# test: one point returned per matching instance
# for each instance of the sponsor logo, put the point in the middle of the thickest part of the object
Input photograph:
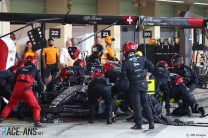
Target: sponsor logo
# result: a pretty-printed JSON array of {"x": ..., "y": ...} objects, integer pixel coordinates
[
  {"x": 19, "y": 131},
  {"x": 91, "y": 19},
  {"x": 151, "y": 21}
]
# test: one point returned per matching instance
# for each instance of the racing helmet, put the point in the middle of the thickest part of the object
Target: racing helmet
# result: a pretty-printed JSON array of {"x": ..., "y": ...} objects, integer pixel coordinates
[
  {"x": 79, "y": 63},
  {"x": 177, "y": 61},
  {"x": 178, "y": 80},
  {"x": 65, "y": 73},
  {"x": 31, "y": 60},
  {"x": 107, "y": 66},
  {"x": 97, "y": 74},
  {"x": 162, "y": 64},
  {"x": 97, "y": 71},
  {"x": 109, "y": 39},
  {"x": 129, "y": 47},
  {"x": 97, "y": 50}
]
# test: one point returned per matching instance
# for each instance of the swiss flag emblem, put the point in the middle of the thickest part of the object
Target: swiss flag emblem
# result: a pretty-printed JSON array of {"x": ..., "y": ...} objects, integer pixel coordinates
[{"x": 130, "y": 20}]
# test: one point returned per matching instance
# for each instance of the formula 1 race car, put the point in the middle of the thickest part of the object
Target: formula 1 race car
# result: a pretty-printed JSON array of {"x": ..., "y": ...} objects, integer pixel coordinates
[{"x": 66, "y": 98}]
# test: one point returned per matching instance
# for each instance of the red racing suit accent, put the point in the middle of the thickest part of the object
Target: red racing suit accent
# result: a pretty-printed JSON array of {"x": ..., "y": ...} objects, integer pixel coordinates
[{"x": 25, "y": 78}]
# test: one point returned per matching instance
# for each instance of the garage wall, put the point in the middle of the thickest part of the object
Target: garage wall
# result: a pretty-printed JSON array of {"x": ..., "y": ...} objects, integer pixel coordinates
[
  {"x": 127, "y": 8},
  {"x": 198, "y": 10},
  {"x": 27, "y": 6},
  {"x": 167, "y": 10},
  {"x": 4, "y": 26},
  {"x": 84, "y": 7}
]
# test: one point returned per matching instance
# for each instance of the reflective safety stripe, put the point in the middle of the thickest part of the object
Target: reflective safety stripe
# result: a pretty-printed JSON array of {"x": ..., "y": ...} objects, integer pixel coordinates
[{"x": 151, "y": 86}]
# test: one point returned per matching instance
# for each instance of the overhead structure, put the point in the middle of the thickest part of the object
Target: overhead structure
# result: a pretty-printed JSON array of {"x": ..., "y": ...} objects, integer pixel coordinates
[{"x": 25, "y": 18}]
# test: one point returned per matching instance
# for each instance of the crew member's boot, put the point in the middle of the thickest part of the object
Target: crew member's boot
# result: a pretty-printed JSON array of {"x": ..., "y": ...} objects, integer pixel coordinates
[
  {"x": 151, "y": 125},
  {"x": 38, "y": 124},
  {"x": 139, "y": 127},
  {"x": 1, "y": 119},
  {"x": 195, "y": 108},
  {"x": 109, "y": 121},
  {"x": 114, "y": 119},
  {"x": 202, "y": 111},
  {"x": 91, "y": 121}
]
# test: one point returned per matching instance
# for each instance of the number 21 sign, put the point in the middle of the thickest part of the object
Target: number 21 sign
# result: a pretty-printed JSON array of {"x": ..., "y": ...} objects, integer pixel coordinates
[{"x": 105, "y": 33}]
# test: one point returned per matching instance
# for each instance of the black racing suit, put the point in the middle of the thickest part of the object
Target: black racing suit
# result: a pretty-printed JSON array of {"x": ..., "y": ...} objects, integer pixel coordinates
[
  {"x": 6, "y": 83},
  {"x": 100, "y": 87},
  {"x": 92, "y": 60},
  {"x": 162, "y": 77},
  {"x": 77, "y": 75},
  {"x": 133, "y": 68}
]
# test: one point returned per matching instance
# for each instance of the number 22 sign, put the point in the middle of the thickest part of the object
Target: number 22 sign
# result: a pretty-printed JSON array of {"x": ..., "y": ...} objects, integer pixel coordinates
[{"x": 55, "y": 33}]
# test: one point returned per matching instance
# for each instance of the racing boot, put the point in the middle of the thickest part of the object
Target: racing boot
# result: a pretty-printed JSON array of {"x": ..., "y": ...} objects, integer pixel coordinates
[
  {"x": 201, "y": 111},
  {"x": 38, "y": 124},
  {"x": 109, "y": 121},
  {"x": 139, "y": 127},
  {"x": 151, "y": 125}
]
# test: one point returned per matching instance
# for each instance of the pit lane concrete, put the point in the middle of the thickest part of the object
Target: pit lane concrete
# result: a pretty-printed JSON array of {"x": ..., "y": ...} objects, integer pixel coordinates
[{"x": 79, "y": 128}]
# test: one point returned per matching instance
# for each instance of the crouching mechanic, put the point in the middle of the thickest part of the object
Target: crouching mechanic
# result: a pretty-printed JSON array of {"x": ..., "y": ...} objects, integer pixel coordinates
[
  {"x": 99, "y": 88},
  {"x": 185, "y": 89},
  {"x": 133, "y": 69},
  {"x": 185, "y": 98},
  {"x": 162, "y": 76},
  {"x": 24, "y": 80}
]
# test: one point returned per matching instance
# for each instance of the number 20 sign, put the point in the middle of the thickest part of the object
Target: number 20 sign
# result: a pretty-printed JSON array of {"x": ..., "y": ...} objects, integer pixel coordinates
[
  {"x": 55, "y": 33},
  {"x": 147, "y": 34}
]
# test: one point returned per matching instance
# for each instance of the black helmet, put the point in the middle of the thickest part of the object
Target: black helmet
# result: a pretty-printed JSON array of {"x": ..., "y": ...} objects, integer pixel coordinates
[{"x": 177, "y": 60}]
